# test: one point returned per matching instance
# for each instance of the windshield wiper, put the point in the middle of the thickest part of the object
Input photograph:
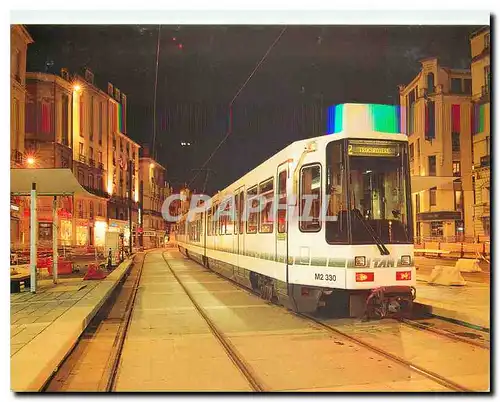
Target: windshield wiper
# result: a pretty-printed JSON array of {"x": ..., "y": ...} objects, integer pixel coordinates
[{"x": 380, "y": 245}]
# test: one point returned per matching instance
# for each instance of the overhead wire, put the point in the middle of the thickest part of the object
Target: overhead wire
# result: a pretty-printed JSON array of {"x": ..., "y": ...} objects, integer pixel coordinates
[{"x": 229, "y": 131}]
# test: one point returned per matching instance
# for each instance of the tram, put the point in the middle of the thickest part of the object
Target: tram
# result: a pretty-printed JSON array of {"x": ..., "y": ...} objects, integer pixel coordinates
[{"x": 334, "y": 228}]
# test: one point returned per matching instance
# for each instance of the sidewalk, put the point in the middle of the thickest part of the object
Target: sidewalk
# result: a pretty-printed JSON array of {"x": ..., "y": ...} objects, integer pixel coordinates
[
  {"x": 46, "y": 325},
  {"x": 469, "y": 303}
]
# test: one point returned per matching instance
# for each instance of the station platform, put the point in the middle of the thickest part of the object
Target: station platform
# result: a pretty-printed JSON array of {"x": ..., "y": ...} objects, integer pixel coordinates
[
  {"x": 45, "y": 325},
  {"x": 469, "y": 304}
]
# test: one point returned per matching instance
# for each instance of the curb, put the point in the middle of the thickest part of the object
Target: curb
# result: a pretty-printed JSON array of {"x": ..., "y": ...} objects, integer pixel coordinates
[
  {"x": 33, "y": 366},
  {"x": 455, "y": 316}
]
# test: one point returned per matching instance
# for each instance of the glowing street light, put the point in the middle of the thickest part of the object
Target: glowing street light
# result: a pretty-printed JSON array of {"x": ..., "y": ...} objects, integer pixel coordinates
[
  {"x": 151, "y": 165},
  {"x": 30, "y": 161},
  {"x": 76, "y": 87}
]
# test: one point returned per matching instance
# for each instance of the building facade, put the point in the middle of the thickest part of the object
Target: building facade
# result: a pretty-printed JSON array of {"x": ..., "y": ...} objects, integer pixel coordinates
[
  {"x": 71, "y": 123},
  {"x": 154, "y": 191},
  {"x": 481, "y": 134},
  {"x": 19, "y": 41},
  {"x": 437, "y": 118}
]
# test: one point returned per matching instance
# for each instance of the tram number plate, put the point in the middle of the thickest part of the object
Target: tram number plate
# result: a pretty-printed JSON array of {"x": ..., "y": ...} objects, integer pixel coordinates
[{"x": 325, "y": 277}]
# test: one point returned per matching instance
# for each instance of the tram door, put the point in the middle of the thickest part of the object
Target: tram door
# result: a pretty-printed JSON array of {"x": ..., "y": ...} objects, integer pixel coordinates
[{"x": 281, "y": 216}]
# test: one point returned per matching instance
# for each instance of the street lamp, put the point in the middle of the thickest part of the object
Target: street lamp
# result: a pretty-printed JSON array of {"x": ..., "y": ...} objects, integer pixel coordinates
[
  {"x": 30, "y": 161},
  {"x": 151, "y": 165}
]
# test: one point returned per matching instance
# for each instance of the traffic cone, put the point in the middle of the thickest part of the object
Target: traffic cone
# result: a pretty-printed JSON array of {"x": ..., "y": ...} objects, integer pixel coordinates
[{"x": 94, "y": 272}]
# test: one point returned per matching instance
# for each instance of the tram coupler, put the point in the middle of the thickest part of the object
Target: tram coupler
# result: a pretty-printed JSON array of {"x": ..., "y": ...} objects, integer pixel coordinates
[{"x": 389, "y": 301}]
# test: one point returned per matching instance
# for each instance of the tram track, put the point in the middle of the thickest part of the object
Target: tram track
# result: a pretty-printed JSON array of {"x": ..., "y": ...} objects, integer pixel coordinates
[
  {"x": 230, "y": 350},
  {"x": 443, "y": 333},
  {"x": 443, "y": 381},
  {"x": 447, "y": 383},
  {"x": 105, "y": 320}
]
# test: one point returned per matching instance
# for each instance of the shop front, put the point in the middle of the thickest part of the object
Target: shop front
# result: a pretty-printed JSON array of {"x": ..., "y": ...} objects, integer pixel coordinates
[
  {"x": 119, "y": 226},
  {"x": 100, "y": 229}
]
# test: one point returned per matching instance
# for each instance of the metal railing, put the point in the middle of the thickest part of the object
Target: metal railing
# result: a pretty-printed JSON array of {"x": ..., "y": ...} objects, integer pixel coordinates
[
  {"x": 97, "y": 191},
  {"x": 91, "y": 162},
  {"x": 81, "y": 158},
  {"x": 100, "y": 165}
]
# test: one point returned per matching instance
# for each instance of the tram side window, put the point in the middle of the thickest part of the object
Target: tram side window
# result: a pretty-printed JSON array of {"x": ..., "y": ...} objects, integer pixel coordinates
[
  {"x": 241, "y": 221},
  {"x": 336, "y": 190},
  {"x": 310, "y": 198},
  {"x": 209, "y": 222},
  {"x": 237, "y": 212},
  {"x": 266, "y": 191},
  {"x": 229, "y": 215},
  {"x": 252, "y": 208},
  {"x": 282, "y": 201},
  {"x": 215, "y": 219}
]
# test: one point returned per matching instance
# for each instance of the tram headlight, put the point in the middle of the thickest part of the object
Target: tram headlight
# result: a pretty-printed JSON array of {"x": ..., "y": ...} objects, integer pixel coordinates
[
  {"x": 405, "y": 260},
  {"x": 359, "y": 261}
]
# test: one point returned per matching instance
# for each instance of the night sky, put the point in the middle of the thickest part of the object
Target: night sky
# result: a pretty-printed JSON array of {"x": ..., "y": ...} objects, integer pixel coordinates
[{"x": 308, "y": 69}]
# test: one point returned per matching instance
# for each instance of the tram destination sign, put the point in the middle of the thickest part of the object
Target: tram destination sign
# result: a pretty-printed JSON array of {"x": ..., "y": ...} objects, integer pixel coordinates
[{"x": 372, "y": 148}]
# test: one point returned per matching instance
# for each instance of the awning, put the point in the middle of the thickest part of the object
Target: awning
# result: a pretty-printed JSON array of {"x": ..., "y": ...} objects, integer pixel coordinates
[
  {"x": 49, "y": 182},
  {"x": 422, "y": 183}
]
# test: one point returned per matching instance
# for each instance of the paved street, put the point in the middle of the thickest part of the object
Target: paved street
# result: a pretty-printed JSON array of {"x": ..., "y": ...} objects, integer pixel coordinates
[{"x": 169, "y": 346}]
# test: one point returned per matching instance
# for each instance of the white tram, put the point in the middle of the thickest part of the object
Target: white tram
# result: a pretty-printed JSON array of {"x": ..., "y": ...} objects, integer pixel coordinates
[{"x": 355, "y": 246}]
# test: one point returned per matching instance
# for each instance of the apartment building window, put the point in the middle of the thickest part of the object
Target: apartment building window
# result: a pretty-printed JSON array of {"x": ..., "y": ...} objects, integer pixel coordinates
[
  {"x": 417, "y": 203},
  {"x": 65, "y": 119},
  {"x": 455, "y": 118},
  {"x": 17, "y": 65},
  {"x": 91, "y": 180},
  {"x": 468, "y": 86},
  {"x": 437, "y": 229},
  {"x": 418, "y": 147},
  {"x": 487, "y": 76},
  {"x": 432, "y": 196},
  {"x": 100, "y": 157},
  {"x": 16, "y": 117},
  {"x": 456, "y": 85},
  {"x": 430, "y": 83},
  {"x": 459, "y": 200},
  {"x": 81, "y": 177},
  {"x": 430, "y": 120},
  {"x": 80, "y": 148},
  {"x": 411, "y": 152},
  {"x": 411, "y": 111},
  {"x": 432, "y": 165},
  {"x": 455, "y": 142},
  {"x": 100, "y": 123},
  {"x": 91, "y": 153},
  {"x": 474, "y": 190},
  {"x": 82, "y": 116},
  {"x": 91, "y": 118},
  {"x": 456, "y": 168},
  {"x": 91, "y": 209}
]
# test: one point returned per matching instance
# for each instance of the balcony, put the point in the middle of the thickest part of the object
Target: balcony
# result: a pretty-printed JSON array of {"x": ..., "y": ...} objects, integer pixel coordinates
[
  {"x": 81, "y": 158},
  {"x": 92, "y": 162},
  {"x": 97, "y": 191},
  {"x": 151, "y": 212}
]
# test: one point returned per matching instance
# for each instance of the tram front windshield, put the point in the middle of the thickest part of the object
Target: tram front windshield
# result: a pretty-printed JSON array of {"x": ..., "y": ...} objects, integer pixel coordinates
[{"x": 368, "y": 188}]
